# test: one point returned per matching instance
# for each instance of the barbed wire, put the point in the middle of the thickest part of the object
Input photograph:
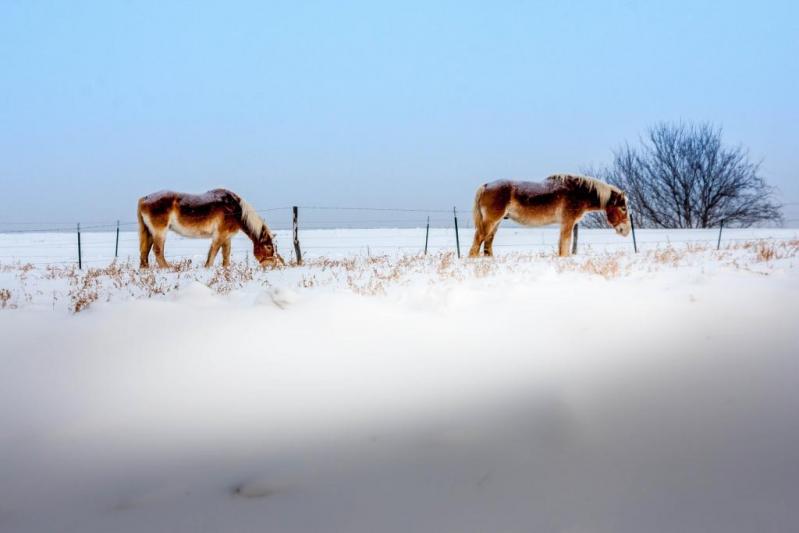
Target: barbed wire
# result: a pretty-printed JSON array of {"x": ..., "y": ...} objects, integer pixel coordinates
[
  {"x": 436, "y": 216},
  {"x": 379, "y": 209}
]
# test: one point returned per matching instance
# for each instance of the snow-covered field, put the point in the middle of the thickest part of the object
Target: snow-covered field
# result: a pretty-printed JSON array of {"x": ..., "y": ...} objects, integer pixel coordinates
[{"x": 376, "y": 390}]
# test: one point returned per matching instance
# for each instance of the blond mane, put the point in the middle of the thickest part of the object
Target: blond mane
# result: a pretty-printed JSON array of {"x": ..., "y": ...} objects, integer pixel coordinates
[
  {"x": 252, "y": 221},
  {"x": 603, "y": 190}
]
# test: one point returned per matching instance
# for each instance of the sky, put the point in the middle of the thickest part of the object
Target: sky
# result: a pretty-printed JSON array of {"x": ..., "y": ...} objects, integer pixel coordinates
[{"x": 409, "y": 104}]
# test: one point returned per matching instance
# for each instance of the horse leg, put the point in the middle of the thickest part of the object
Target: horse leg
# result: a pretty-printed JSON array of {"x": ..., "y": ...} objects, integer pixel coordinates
[
  {"x": 226, "y": 253},
  {"x": 565, "y": 244},
  {"x": 474, "y": 251},
  {"x": 484, "y": 231},
  {"x": 158, "y": 249},
  {"x": 145, "y": 245},
  {"x": 488, "y": 246},
  {"x": 212, "y": 251}
]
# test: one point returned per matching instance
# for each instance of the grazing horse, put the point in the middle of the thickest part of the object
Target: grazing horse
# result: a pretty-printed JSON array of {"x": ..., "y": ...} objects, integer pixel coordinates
[
  {"x": 562, "y": 198},
  {"x": 216, "y": 214}
]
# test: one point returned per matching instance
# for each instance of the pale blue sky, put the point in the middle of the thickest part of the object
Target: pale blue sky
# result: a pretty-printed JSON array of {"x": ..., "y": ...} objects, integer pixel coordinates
[{"x": 404, "y": 105}]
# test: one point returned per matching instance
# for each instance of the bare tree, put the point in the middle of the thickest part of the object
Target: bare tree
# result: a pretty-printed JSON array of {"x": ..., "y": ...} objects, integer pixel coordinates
[{"x": 682, "y": 176}]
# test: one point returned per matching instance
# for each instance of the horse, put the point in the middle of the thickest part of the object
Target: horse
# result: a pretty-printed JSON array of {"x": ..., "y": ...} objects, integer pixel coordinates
[
  {"x": 218, "y": 214},
  {"x": 560, "y": 198}
]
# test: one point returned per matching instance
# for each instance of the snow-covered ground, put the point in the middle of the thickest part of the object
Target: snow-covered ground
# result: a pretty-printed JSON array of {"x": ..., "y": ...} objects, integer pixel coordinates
[{"x": 608, "y": 392}]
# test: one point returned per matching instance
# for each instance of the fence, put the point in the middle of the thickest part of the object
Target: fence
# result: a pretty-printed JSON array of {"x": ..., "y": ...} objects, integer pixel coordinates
[{"x": 313, "y": 231}]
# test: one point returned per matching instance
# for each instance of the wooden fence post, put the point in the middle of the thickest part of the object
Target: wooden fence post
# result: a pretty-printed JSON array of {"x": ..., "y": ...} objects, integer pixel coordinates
[
  {"x": 632, "y": 227},
  {"x": 295, "y": 232},
  {"x": 574, "y": 238},
  {"x": 80, "y": 259},
  {"x": 721, "y": 227},
  {"x": 457, "y": 237},
  {"x": 426, "y": 235},
  {"x": 116, "y": 246}
]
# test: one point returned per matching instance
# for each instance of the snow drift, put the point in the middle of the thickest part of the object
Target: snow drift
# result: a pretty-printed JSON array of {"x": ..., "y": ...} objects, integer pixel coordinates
[{"x": 525, "y": 398}]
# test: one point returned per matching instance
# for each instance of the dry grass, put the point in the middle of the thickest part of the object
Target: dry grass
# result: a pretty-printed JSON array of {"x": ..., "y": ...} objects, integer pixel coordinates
[
  {"x": 5, "y": 298},
  {"x": 760, "y": 252},
  {"x": 227, "y": 279},
  {"x": 606, "y": 267},
  {"x": 765, "y": 252},
  {"x": 372, "y": 275}
]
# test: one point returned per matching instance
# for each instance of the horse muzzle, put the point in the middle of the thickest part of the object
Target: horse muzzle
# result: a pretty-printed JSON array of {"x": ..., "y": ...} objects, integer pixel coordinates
[
  {"x": 275, "y": 260},
  {"x": 623, "y": 229}
]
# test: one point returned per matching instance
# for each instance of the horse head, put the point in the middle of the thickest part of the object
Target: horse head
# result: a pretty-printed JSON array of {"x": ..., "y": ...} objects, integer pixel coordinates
[
  {"x": 265, "y": 250},
  {"x": 617, "y": 213}
]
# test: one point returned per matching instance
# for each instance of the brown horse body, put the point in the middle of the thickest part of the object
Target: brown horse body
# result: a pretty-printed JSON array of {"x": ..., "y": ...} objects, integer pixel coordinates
[
  {"x": 561, "y": 198},
  {"x": 218, "y": 214}
]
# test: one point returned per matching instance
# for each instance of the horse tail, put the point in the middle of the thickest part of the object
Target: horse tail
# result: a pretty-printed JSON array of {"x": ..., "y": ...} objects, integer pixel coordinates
[
  {"x": 143, "y": 231},
  {"x": 145, "y": 236},
  {"x": 477, "y": 212}
]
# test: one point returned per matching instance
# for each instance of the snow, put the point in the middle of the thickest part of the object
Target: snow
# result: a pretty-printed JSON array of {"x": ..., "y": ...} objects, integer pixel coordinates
[{"x": 609, "y": 392}]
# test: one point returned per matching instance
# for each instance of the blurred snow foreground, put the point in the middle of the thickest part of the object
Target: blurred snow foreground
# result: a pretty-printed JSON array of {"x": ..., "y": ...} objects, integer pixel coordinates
[{"x": 601, "y": 393}]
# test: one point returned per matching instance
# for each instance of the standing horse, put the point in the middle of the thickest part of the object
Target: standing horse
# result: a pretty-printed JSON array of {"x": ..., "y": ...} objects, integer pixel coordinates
[
  {"x": 562, "y": 198},
  {"x": 216, "y": 214}
]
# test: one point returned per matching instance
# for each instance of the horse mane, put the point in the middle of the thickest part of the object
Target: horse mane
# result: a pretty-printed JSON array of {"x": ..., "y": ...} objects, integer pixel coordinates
[
  {"x": 251, "y": 221},
  {"x": 603, "y": 190}
]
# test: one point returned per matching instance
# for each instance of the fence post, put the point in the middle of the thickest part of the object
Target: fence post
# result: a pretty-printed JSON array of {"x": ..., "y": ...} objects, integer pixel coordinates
[
  {"x": 426, "y": 234},
  {"x": 80, "y": 260},
  {"x": 457, "y": 237},
  {"x": 632, "y": 227},
  {"x": 721, "y": 227},
  {"x": 574, "y": 238},
  {"x": 295, "y": 232},
  {"x": 116, "y": 246}
]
